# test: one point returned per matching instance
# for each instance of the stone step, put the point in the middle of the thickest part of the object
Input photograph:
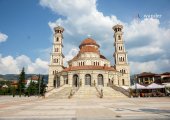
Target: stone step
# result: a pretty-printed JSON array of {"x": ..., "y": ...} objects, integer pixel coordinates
[
  {"x": 62, "y": 94},
  {"x": 111, "y": 93},
  {"x": 86, "y": 92}
]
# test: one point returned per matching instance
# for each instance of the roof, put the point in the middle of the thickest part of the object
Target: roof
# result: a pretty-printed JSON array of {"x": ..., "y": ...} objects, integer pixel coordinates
[
  {"x": 35, "y": 77},
  {"x": 88, "y": 45},
  {"x": 89, "y": 49},
  {"x": 147, "y": 74},
  {"x": 117, "y": 26},
  {"x": 88, "y": 41},
  {"x": 58, "y": 28},
  {"x": 88, "y": 67},
  {"x": 166, "y": 73}
]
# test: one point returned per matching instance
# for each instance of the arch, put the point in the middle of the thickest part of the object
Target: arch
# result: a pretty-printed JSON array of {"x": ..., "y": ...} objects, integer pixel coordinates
[
  {"x": 75, "y": 80},
  {"x": 123, "y": 82},
  {"x": 57, "y": 39},
  {"x": 54, "y": 60},
  {"x": 100, "y": 79},
  {"x": 119, "y": 37},
  {"x": 88, "y": 79},
  {"x": 54, "y": 83}
]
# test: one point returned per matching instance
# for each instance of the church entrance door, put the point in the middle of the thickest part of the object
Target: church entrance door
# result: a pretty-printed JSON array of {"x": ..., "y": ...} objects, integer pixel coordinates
[
  {"x": 88, "y": 79},
  {"x": 100, "y": 79},
  {"x": 75, "y": 80}
]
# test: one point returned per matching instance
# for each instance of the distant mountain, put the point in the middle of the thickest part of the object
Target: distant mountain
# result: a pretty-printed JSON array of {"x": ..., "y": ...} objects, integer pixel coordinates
[{"x": 15, "y": 77}]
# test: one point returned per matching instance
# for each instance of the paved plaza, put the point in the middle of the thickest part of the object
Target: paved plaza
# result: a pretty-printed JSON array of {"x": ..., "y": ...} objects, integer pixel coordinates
[{"x": 83, "y": 109}]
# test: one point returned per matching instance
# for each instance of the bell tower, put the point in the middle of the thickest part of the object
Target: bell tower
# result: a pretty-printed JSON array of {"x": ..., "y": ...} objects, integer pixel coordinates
[
  {"x": 56, "y": 58},
  {"x": 120, "y": 56}
]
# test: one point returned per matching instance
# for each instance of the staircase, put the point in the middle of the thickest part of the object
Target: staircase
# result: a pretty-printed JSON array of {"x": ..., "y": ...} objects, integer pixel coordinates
[
  {"x": 61, "y": 94},
  {"x": 86, "y": 92},
  {"x": 109, "y": 92}
]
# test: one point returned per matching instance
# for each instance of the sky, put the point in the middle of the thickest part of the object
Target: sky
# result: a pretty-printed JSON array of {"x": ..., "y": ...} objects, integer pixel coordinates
[{"x": 26, "y": 32}]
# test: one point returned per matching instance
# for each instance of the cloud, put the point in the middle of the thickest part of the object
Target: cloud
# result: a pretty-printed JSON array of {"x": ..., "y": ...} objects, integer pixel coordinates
[
  {"x": 9, "y": 65},
  {"x": 70, "y": 55},
  {"x": 157, "y": 66},
  {"x": 3, "y": 37},
  {"x": 144, "y": 39}
]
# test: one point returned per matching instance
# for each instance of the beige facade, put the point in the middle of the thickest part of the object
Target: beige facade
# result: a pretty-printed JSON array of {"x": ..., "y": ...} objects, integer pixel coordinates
[{"x": 89, "y": 67}]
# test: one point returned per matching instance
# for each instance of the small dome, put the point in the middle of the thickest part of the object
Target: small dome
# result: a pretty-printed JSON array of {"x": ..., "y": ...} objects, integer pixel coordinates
[{"x": 88, "y": 41}]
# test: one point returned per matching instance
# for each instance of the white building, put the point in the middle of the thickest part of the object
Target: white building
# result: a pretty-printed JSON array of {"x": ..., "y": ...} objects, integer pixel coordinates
[{"x": 89, "y": 67}]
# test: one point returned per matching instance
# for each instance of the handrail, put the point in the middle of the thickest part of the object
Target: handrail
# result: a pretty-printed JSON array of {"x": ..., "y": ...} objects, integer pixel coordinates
[
  {"x": 120, "y": 89},
  {"x": 73, "y": 91},
  {"x": 100, "y": 91}
]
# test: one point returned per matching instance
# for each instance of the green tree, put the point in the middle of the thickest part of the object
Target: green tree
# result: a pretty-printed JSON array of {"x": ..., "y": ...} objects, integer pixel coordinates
[
  {"x": 42, "y": 86},
  {"x": 21, "y": 82},
  {"x": 38, "y": 84},
  {"x": 32, "y": 88},
  {"x": 13, "y": 91}
]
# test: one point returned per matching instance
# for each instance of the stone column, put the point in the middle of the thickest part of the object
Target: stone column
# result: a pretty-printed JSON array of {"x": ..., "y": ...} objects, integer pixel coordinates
[
  {"x": 70, "y": 79},
  {"x": 61, "y": 80},
  {"x": 81, "y": 78},
  {"x": 105, "y": 75},
  {"x": 94, "y": 78}
]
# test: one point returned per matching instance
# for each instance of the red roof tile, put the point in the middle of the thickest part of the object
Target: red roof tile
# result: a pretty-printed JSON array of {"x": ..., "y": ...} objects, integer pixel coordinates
[
  {"x": 88, "y": 41},
  {"x": 89, "y": 49}
]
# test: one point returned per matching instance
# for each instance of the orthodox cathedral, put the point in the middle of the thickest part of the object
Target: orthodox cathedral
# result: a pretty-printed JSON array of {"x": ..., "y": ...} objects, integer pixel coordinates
[{"x": 89, "y": 67}]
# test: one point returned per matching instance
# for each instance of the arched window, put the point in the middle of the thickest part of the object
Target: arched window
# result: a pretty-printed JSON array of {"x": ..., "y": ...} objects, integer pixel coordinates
[
  {"x": 54, "y": 60},
  {"x": 100, "y": 79},
  {"x": 56, "y": 49},
  {"x": 75, "y": 80},
  {"x": 57, "y": 60},
  {"x": 119, "y": 37},
  {"x": 57, "y": 39},
  {"x": 87, "y": 79},
  {"x": 123, "y": 82}
]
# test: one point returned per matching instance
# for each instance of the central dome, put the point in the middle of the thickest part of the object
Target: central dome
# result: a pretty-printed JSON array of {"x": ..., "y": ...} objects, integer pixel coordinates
[{"x": 88, "y": 41}]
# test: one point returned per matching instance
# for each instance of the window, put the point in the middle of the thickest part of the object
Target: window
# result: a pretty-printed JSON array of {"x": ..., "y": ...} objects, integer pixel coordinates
[
  {"x": 56, "y": 49},
  {"x": 119, "y": 38},
  {"x": 54, "y": 60},
  {"x": 57, "y": 39},
  {"x": 123, "y": 82}
]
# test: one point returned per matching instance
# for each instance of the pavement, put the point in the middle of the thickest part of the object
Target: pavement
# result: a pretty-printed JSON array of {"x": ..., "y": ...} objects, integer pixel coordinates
[{"x": 34, "y": 108}]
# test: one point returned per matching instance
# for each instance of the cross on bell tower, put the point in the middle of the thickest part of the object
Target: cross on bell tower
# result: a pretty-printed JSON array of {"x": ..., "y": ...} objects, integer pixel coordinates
[{"x": 120, "y": 56}]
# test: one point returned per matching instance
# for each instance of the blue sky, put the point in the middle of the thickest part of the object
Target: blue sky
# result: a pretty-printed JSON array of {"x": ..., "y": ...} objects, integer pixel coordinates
[{"x": 28, "y": 25}]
